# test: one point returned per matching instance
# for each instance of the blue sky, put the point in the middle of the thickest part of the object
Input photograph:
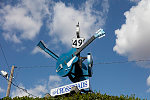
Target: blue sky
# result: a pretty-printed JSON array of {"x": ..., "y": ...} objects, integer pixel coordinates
[{"x": 126, "y": 23}]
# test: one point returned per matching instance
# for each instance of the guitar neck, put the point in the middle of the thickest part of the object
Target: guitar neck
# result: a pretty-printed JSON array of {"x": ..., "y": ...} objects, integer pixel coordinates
[{"x": 85, "y": 45}]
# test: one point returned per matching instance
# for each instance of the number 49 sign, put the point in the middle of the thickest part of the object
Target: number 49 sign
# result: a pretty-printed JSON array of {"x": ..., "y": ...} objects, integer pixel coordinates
[{"x": 77, "y": 42}]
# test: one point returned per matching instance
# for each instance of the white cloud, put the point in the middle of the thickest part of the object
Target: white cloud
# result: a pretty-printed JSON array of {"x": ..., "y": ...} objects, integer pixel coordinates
[
  {"x": 38, "y": 91},
  {"x": 66, "y": 17},
  {"x": 1, "y": 90},
  {"x": 134, "y": 36},
  {"x": 148, "y": 81},
  {"x": 24, "y": 20},
  {"x": 20, "y": 48},
  {"x": 136, "y": 1},
  {"x": 148, "y": 90},
  {"x": 53, "y": 78},
  {"x": 11, "y": 37},
  {"x": 19, "y": 92},
  {"x": 38, "y": 50},
  {"x": 54, "y": 81}
]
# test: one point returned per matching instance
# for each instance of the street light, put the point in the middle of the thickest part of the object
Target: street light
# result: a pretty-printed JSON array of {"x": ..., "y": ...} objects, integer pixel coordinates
[{"x": 4, "y": 73}]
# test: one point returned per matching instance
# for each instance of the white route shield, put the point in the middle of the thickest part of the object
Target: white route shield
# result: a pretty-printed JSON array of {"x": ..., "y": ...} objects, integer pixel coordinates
[{"x": 77, "y": 42}]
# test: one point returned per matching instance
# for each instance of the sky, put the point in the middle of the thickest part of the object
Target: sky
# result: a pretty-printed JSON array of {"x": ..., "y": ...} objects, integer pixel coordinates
[{"x": 23, "y": 23}]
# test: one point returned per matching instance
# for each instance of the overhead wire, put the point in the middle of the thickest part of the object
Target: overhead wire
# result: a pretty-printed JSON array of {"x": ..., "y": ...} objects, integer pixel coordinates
[
  {"x": 120, "y": 62},
  {"x": 16, "y": 72},
  {"x": 112, "y": 62},
  {"x": 4, "y": 57},
  {"x": 14, "y": 80},
  {"x": 35, "y": 67},
  {"x": 25, "y": 90}
]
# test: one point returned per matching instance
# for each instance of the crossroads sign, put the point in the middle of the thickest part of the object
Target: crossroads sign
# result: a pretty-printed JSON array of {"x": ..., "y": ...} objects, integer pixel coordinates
[{"x": 66, "y": 89}]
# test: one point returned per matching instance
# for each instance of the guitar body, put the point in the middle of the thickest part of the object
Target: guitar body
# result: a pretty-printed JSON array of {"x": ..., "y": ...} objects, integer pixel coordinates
[
  {"x": 62, "y": 67},
  {"x": 78, "y": 74}
]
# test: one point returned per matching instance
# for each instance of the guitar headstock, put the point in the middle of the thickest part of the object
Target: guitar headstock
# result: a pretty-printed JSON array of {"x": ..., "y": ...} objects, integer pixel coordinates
[{"x": 99, "y": 33}]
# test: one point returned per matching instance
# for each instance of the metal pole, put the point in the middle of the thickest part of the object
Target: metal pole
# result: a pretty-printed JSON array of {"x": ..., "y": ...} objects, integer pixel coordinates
[
  {"x": 9, "y": 82},
  {"x": 78, "y": 36}
]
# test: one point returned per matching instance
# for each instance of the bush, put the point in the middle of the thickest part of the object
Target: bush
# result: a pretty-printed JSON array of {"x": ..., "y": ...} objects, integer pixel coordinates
[{"x": 79, "y": 96}]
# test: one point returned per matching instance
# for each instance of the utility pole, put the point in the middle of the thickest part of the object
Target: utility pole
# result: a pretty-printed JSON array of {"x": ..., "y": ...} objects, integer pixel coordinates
[{"x": 10, "y": 81}]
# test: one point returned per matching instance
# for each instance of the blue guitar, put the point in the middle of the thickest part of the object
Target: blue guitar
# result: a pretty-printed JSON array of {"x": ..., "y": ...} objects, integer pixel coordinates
[{"x": 66, "y": 61}]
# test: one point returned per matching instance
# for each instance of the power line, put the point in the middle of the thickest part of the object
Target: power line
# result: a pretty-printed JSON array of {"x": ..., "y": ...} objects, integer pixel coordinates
[
  {"x": 120, "y": 62},
  {"x": 112, "y": 62},
  {"x": 19, "y": 87},
  {"x": 4, "y": 57},
  {"x": 35, "y": 67}
]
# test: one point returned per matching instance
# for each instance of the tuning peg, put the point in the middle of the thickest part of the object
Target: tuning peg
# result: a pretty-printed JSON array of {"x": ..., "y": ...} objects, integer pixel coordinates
[{"x": 101, "y": 36}]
